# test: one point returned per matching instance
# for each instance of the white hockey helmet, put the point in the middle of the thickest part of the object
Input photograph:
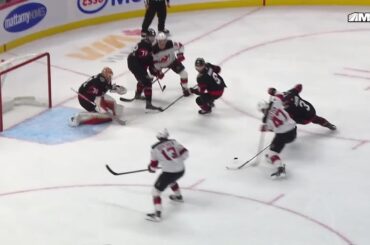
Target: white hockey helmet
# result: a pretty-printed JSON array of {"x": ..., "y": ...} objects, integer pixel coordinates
[
  {"x": 162, "y": 40},
  {"x": 161, "y": 36},
  {"x": 262, "y": 105},
  {"x": 163, "y": 134}
]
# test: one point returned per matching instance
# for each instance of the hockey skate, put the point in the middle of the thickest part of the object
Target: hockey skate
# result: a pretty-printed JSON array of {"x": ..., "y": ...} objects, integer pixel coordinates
[
  {"x": 155, "y": 217},
  {"x": 149, "y": 106},
  {"x": 280, "y": 173},
  {"x": 202, "y": 111},
  {"x": 176, "y": 198},
  {"x": 331, "y": 126},
  {"x": 139, "y": 97}
]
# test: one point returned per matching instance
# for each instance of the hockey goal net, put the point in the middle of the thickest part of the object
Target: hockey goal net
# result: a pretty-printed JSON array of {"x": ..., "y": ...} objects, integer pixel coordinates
[{"x": 25, "y": 88}]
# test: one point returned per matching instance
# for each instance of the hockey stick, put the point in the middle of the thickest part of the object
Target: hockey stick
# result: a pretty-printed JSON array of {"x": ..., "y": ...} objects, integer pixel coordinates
[
  {"x": 119, "y": 121},
  {"x": 242, "y": 165},
  {"x": 260, "y": 145},
  {"x": 177, "y": 99},
  {"x": 154, "y": 81},
  {"x": 157, "y": 80},
  {"x": 122, "y": 173}
]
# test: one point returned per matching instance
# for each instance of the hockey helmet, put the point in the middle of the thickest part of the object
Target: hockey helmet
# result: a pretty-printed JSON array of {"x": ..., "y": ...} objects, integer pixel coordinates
[
  {"x": 163, "y": 134},
  {"x": 200, "y": 64},
  {"x": 107, "y": 74},
  {"x": 162, "y": 40},
  {"x": 262, "y": 105},
  {"x": 150, "y": 35}
]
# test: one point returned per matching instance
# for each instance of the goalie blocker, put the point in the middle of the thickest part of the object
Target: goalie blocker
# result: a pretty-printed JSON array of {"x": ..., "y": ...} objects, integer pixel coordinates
[{"x": 100, "y": 107}]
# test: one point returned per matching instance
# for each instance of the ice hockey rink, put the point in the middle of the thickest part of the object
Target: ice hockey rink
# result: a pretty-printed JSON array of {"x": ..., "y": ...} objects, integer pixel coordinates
[{"x": 58, "y": 192}]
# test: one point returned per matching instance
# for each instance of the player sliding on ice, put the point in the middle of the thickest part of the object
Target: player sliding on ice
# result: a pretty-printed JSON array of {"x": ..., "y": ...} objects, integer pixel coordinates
[{"x": 300, "y": 110}]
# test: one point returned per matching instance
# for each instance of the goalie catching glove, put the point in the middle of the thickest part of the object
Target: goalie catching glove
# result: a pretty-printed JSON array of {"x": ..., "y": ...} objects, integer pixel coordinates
[{"x": 118, "y": 89}]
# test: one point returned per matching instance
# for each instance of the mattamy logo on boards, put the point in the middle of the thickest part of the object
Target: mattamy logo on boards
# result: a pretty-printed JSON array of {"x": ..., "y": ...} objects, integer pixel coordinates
[
  {"x": 24, "y": 17},
  {"x": 359, "y": 17}
]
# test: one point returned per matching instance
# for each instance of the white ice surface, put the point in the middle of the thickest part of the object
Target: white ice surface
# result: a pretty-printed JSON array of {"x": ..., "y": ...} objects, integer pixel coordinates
[{"x": 63, "y": 195}]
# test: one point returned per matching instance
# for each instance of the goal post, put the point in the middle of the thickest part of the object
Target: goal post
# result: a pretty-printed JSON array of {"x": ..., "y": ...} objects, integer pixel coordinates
[{"x": 25, "y": 82}]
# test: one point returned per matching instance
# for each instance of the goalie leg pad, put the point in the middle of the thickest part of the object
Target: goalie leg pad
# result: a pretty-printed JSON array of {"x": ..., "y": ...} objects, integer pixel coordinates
[{"x": 93, "y": 118}]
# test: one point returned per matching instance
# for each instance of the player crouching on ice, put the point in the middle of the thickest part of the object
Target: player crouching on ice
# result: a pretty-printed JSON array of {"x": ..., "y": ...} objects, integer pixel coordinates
[
  {"x": 170, "y": 155},
  {"x": 277, "y": 120},
  {"x": 100, "y": 107},
  {"x": 210, "y": 85},
  {"x": 164, "y": 57}
]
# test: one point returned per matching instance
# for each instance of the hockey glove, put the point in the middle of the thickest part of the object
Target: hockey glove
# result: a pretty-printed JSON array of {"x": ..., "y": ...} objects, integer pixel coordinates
[
  {"x": 195, "y": 91},
  {"x": 160, "y": 74},
  {"x": 180, "y": 57},
  {"x": 186, "y": 92},
  {"x": 298, "y": 88},
  {"x": 118, "y": 89},
  {"x": 271, "y": 91},
  {"x": 151, "y": 169},
  {"x": 264, "y": 128}
]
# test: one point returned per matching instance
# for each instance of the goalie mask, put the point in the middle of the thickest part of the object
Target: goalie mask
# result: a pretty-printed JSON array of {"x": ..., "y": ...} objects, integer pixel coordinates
[
  {"x": 163, "y": 134},
  {"x": 107, "y": 74}
]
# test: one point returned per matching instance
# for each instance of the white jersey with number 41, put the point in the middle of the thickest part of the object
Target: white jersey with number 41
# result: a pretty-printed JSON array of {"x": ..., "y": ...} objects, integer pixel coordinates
[{"x": 278, "y": 120}]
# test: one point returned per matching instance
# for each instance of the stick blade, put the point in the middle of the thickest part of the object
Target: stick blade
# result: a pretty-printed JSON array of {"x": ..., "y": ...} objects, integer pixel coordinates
[
  {"x": 232, "y": 167},
  {"x": 126, "y": 99},
  {"x": 110, "y": 170}
]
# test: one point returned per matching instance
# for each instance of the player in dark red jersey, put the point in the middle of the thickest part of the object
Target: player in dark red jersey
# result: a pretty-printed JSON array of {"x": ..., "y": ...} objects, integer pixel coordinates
[
  {"x": 170, "y": 54},
  {"x": 210, "y": 85},
  {"x": 301, "y": 111},
  {"x": 100, "y": 107},
  {"x": 138, "y": 62}
]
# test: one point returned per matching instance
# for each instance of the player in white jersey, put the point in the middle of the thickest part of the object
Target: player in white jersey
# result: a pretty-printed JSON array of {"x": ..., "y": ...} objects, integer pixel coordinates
[
  {"x": 170, "y": 156},
  {"x": 169, "y": 54},
  {"x": 277, "y": 120}
]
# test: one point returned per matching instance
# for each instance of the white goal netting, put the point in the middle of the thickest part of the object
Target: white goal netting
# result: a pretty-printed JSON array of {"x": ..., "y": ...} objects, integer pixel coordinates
[{"x": 25, "y": 88}]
